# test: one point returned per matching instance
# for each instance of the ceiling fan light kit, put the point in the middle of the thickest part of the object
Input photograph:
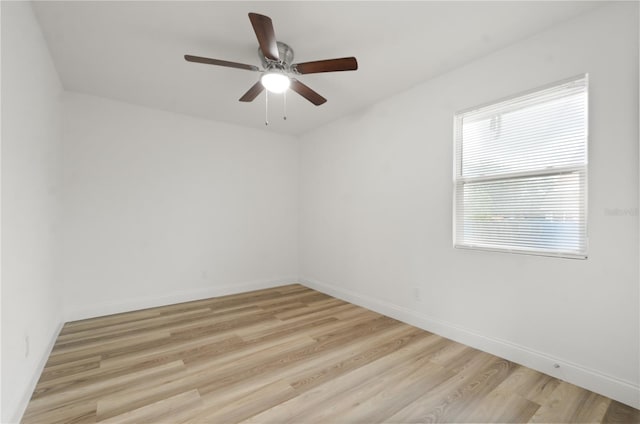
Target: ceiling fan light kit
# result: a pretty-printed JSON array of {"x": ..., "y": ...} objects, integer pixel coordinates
[
  {"x": 275, "y": 82},
  {"x": 279, "y": 71}
]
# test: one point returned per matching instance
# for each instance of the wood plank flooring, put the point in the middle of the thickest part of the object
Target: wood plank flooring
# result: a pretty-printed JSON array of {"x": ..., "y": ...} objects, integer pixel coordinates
[{"x": 290, "y": 355}]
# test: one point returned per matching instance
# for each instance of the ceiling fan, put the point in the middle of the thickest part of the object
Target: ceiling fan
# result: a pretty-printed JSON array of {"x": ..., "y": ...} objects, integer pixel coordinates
[{"x": 279, "y": 71}]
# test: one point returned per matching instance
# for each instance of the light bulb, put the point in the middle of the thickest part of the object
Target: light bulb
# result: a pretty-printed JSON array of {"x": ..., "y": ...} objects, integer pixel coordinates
[{"x": 275, "y": 82}]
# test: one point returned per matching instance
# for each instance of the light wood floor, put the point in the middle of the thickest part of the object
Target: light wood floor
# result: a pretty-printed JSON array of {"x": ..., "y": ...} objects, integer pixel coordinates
[{"x": 290, "y": 354}]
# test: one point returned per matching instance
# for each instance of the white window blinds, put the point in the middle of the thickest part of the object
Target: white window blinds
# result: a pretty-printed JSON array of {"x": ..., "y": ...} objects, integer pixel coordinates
[{"x": 521, "y": 171}]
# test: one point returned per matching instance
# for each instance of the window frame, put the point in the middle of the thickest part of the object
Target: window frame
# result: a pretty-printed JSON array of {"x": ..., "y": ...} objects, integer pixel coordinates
[{"x": 459, "y": 180}]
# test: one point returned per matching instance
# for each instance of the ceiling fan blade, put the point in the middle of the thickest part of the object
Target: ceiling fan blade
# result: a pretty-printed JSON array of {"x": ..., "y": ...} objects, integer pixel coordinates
[
  {"x": 253, "y": 92},
  {"x": 263, "y": 27},
  {"x": 329, "y": 65},
  {"x": 306, "y": 92},
  {"x": 218, "y": 62}
]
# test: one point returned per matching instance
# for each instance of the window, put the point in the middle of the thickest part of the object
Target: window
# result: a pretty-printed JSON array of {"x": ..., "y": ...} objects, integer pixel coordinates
[{"x": 521, "y": 173}]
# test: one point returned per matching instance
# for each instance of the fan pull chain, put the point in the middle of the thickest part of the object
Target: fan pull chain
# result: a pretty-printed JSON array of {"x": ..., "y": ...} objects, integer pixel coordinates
[
  {"x": 284, "y": 106},
  {"x": 266, "y": 107}
]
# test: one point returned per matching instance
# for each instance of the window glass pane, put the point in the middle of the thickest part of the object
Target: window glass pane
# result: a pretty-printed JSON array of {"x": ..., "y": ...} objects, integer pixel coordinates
[
  {"x": 543, "y": 213},
  {"x": 536, "y": 136}
]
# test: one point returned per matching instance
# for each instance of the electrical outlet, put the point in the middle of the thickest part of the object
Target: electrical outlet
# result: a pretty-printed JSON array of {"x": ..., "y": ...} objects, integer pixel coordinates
[
  {"x": 26, "y": 346},
  {"x": 417, "y": 295}
]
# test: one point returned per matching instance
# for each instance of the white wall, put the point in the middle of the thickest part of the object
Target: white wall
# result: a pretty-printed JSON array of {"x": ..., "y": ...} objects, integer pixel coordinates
[
  {"x": 31, "y": 145},
  {"x": 376, "y": 213},
  {"x": 161, "y": 208}
]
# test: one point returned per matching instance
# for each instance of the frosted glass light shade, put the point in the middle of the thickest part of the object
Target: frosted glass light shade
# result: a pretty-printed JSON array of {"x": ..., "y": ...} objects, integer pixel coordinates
[{"x": 275, "y": 82}]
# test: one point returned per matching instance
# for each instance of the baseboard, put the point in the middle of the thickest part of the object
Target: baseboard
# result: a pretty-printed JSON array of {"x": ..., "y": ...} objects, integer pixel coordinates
[
  {"x": 127, "y": 305},
  {"x": 606, "y": 385},
  {"x": 26, "y": 396}
]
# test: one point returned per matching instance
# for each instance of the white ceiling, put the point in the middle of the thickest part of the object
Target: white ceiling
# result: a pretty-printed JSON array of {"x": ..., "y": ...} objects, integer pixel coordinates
[{"x": 133, "y": 51}]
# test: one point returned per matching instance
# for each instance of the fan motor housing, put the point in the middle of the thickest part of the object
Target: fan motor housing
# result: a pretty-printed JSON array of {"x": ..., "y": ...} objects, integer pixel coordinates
[{"x": 286, "y": 58}]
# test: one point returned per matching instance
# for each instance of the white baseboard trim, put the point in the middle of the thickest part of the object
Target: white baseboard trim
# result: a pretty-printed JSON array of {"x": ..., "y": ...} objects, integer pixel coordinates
[
  {"x": 606, "y": 385},
  {"x": 26, "y": 396},
  {"x": 127, "y": 305}
]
